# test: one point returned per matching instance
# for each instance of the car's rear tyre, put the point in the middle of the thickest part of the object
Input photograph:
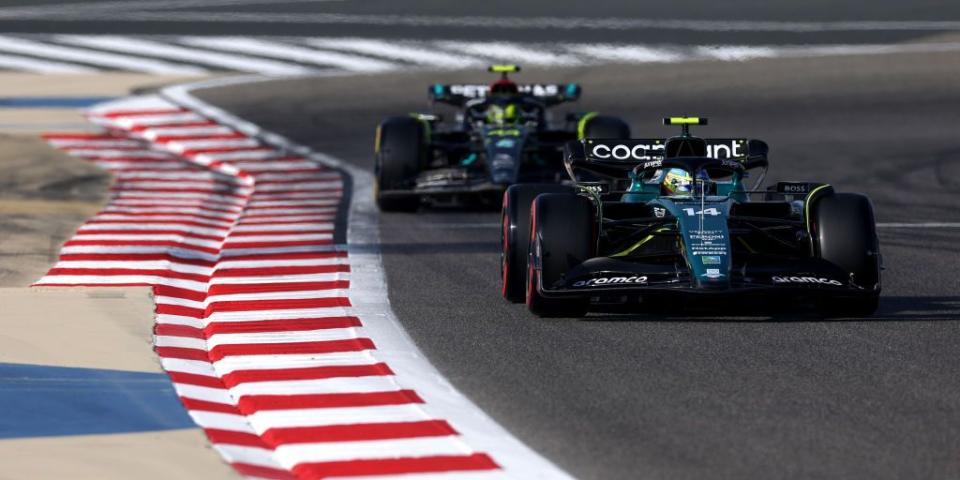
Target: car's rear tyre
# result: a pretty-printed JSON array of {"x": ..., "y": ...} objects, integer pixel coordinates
[
  {"x": 562, "y": 236},
  {"x": 515, "y": 235},
  {"x": 844, "y": 233},
  {"x": 603, "y": 126},
  {"x": 400, "y": 154}
]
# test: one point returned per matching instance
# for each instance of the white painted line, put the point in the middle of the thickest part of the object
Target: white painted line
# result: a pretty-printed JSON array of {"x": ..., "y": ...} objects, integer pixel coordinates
[
  {"x": 628, "y": 53},
  {"x": 159, "y": 49},
  {"x": 919, "y": 225},
  {"x": 15, "y": 62},
  {"x": 504, "y": 22},
  {"x": 112, "y": 60},
  {"x": 368, "y": 384},
  {"x": 266, "y": 48},
  {"x": 397, "y": 50},
  {"x": 316, "y": 417},
  {"x": 735, "y": 52},
  {"x": 222, "y": 421},
  {"x": 121, "y": 279},
  {"x": 373, "y": 449},
  {"x": 236, "y": 363},
  {"x": 511, "y": 52}
]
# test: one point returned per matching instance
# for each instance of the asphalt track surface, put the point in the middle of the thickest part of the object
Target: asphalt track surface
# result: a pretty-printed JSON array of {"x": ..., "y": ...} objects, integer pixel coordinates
[
  {"x": 652, "y": 396},
  {"x": 505, "y": 20}
]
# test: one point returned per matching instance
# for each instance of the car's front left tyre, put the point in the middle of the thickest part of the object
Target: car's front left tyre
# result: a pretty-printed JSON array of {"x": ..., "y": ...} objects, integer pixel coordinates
[{"x": 845, "y": 234}]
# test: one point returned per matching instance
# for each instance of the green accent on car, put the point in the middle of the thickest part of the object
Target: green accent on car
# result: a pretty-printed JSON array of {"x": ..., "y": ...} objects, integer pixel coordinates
[
  {"x": 582, "y": 124},
  {"x": 504, "y": 68},
  {"x": 639, "y": 244},
  {"x": 806, "y": 206},
  {"x": 425, "y": 120},
  {"x": 683, "y": 121},
  {"x": 505, "y": 132},
  {"x": 469, "y": 160}
]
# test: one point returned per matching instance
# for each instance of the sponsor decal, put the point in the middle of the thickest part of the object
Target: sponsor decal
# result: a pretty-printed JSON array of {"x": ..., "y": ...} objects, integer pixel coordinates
[
  {"x": 707, "y": 211},
  {"x": 807, "y": 280},
  {"x": 731, "y": 150},
  {"x": 708, "y": 242},
  {"x": 713, "y": 273},
  {"x": 659, "y": 212},
  {"x": 793, "y": 187},
  {"x": 502, "y": 160},
  {"x": 637, "y": 279},
  {"x": 625, "y": 152},
  {"x": 710, "y": 260},
  {"x": 731, "y": 164},
  {"x": 540, "y": 90},
  {"x": 506, "y": 143},
  {"x": 480, "y": 91},
  {"x": 470, "y": 91}
]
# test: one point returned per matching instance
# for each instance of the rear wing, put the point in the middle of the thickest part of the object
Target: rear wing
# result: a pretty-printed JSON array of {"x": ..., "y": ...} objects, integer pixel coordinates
[
  {"x": 614, "y": 157},
  {"x": 548, "y": 93}
]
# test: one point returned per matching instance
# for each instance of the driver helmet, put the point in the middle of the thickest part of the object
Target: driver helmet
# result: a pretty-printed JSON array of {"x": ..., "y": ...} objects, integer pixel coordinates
[{"x": 677, "y": 181}]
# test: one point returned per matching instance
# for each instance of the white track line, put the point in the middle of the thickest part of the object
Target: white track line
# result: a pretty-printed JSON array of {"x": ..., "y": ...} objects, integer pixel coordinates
[
  {"x": 628, "y": 53},
  {"x": 511, "y": 52},
  {"x": 266, "y": 48},
  {"x": 159, "y": 49},
  {"x": 112, "y": 60},
  {"x": 919, "y": 225},
  {"x": 527, "y": 23},
  {"x": 15, "y": 62},
  {"x": 409, "y": 53}
]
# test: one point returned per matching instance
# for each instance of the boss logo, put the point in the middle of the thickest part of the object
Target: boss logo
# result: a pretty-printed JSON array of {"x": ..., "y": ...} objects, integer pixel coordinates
[{"x": 788, "y": 188}]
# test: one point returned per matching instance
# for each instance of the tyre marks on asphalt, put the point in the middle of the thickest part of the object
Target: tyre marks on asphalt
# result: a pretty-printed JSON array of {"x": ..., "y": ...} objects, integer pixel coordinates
[
  {"x": 280, "y": 56},
  {"x": 257, "y": 320}
]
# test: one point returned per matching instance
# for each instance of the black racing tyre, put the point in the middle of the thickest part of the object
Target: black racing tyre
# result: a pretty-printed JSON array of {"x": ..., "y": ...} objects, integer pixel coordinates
[
  {"x": 845, "y": 234},
  {"x": 400, "y": 154},
  {"x": 603, "y": 126},
  {"x": 562, "y": 236},
  {"x": 515, "y": 235}
]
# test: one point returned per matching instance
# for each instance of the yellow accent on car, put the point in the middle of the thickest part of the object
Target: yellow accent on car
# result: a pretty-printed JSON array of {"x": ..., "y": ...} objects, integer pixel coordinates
[
  {"x": 684, "y": 120},
  {"x": 582, "y": 125},
  {"x": 504, "y": 68},
  {"x": 806, "y": 205},
  {"x": 639, "y": 244},
  {"x": 376, "y": 141}
]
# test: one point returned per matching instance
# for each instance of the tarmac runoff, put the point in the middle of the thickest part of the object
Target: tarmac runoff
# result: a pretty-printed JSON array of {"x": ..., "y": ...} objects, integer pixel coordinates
[{"x": 81, "y": 391}]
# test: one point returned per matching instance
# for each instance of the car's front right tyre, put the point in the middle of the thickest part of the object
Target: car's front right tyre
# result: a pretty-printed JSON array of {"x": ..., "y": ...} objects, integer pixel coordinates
[
  {"x": 562, "y": 235},
  {"x": 400, "y": 151}
]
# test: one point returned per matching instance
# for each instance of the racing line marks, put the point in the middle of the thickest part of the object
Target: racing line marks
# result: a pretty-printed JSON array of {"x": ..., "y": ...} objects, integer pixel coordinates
[
  {"x": 278, "y": 56},
  {"x": 269, "y": 327}
]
